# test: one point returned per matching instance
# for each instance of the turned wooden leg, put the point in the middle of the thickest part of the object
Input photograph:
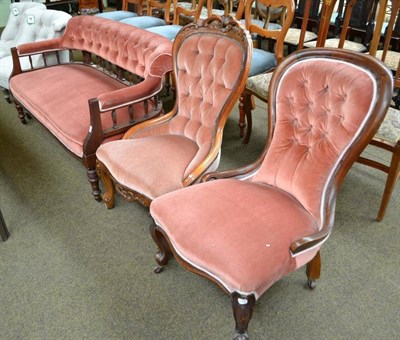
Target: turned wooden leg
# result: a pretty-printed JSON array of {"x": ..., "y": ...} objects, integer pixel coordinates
[
  {"x": 21, "y": 113},
  {"x": 109, "y": 187},
  {"x": 242, "y": 115},
  {"x": 89, "y": 162},
  {"x": 246, "y": 104},
  {"x": 242, "y": 311},
  {"x": 4, "y": 233},
  {"x": 313, "y": 270},
  {"x": 393, "y": 175},
  {"x": 164, "y": 250}
]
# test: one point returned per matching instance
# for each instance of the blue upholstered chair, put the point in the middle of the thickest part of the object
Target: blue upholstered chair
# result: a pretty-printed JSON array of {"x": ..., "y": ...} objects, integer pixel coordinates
[
  {"x": 265, "y": 59},
  {"x": 124, "y": 13},
  {"x": 181, "y": 10}
]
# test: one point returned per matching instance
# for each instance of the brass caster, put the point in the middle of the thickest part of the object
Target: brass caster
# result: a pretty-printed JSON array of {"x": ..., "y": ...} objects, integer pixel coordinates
[
  {"x": 158, "y": 269},
  {"x": 311, "y": 284},
  {"x": 241, "y": 336}
]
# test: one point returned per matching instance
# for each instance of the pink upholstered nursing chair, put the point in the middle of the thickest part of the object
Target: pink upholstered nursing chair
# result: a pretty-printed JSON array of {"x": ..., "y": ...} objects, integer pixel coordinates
[
  {"x": 211, "y": 63},
  {"x": 247, "y": 228}
]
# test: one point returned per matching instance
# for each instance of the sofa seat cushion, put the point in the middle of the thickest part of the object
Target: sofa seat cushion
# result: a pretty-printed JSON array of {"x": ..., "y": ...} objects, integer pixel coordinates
[
  {"x": 66, "y": 116},
  {"x": 117, "y": 15},
  {"x": 151, "y": 165},
  {"x": 168, "y": 31},
  {"x": 144, "y": 22},
  {"x": 245, "y": 249}
]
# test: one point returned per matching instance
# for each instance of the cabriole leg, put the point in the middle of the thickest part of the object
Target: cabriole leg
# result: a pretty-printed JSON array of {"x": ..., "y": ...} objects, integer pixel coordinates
[
  {"x": 109, "y": 187},
  {"x": 164, "y": 251},
  {"x": 242, "y": 311},
  {"x": 313, "y": 270}
]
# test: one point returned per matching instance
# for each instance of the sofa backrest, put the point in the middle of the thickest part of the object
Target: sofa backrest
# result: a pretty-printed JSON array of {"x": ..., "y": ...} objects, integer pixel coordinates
[
  {"x": 133, "y": 49},
  {"x": 12, "y": 28}
]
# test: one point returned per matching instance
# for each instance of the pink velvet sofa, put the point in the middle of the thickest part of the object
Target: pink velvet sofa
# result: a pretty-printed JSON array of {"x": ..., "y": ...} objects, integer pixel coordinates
[{"x": 98, "y": 79}]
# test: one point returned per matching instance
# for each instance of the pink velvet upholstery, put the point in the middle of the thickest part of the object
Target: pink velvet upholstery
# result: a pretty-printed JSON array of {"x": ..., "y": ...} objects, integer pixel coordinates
[
  {"x": 318, "y": 110},
  {"x": 68, "y": 122},
  {"x": 247, "y": 228},
  {"x": 234, "y": 232},
  {"x": 205, "y": 86}
]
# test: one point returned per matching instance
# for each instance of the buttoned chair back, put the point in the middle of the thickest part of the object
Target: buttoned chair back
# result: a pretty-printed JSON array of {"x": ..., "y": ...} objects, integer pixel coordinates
[
  {"x": 14, "y": 22},
  {"x": 37, "y": 25}
]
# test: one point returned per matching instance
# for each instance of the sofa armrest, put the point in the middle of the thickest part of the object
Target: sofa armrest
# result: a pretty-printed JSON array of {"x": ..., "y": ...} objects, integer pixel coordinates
[
  {"x": 133, "y": 94},
  {"x": 39, "y": 47}
]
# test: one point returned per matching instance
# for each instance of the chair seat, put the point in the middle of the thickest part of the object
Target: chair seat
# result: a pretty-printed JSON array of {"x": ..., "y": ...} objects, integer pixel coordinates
[
  {"x": 391, "y": 59},
  {"x": 245, "y": 249},
  {"x": 293, "y": 36},
  {"x": 334, "y": 43},
  {"x": 168, "y": 31},
  {"x": 262, "y": 61},
  {"x": 132, "y": 162},
  {"x": 144, "y": 22},
  {"x": 117, "y": 15},
  {"x": 259, "y": 85},
  {"x": 390, "y": 128}
]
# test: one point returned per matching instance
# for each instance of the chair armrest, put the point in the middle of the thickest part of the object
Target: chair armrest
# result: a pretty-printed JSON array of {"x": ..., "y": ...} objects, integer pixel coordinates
[
  {"x": 148, "y": 88},
  {"x": 320, "y": 236},
  {"x": 239, "y": 173},
  {"x": 309, "y": 241},
  {"x": 39, "y": 47}
]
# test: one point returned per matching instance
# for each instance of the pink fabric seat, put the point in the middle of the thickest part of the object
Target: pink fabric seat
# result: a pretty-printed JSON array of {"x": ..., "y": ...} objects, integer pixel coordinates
[
  {"x": 80, "y": 82},
  {"x": 245, "y": 229},
  {"x": 173, "y": 151},
  {"x": 143, "y": 165},
  {"x": 231, "y": 215}
]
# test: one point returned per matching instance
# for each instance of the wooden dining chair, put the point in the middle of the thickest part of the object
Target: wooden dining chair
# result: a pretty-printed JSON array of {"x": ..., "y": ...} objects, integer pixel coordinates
[
  {"x": 387, "y": 139},
  {"x": 258, "y": 85}
]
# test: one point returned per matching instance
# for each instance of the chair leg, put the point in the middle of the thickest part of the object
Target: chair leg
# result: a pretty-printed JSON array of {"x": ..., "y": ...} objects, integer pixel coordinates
[
  {"x": 109, "y": 186},
  {"x": 246, "y": 105},
  {"x": 21, "y": 113},
  {"x": 164, "y": 250},
  {"x": 242, "y": 311},
  {"x": 313, "y": 270},
  {"x": 4, "y": 233},
  {"x": 242, "y": 115},
  {"x": 393, "y": 175}
]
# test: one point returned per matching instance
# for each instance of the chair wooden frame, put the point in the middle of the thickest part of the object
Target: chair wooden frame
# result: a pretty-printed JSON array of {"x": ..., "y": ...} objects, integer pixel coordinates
[
  {"x": 226, "y": 26},
  {"x": 243, "y": 304}
]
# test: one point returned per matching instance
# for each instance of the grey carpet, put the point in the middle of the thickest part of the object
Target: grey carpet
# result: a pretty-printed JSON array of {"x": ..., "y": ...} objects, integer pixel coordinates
[{"x": 74, "y": 270}]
